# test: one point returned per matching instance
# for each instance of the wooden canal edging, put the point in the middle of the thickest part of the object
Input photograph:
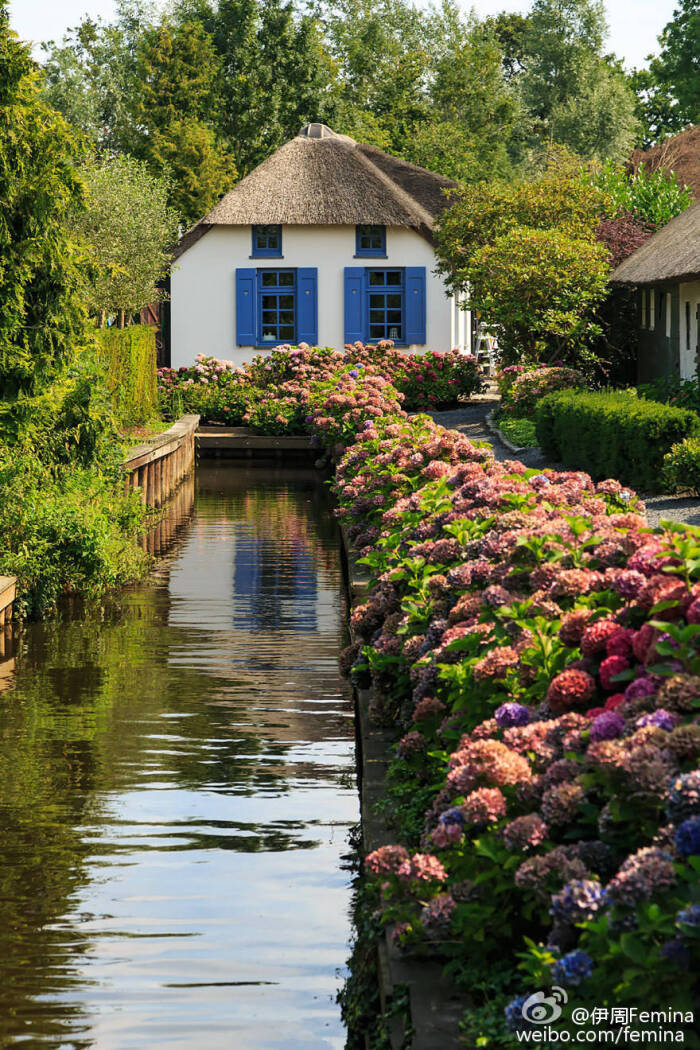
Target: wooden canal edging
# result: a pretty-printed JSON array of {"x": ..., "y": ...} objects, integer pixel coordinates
[
  {"x": 242, "y": 443},
  {"x": 8, "y": 594},
  {"x": 158, "y": 466},
  {"x": 435, "y": 1004}
]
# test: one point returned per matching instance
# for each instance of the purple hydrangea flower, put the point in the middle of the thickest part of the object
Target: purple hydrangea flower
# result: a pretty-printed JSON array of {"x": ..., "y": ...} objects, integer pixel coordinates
[
  {"x": 579, "y": 900},
  {"x": 640, "y": 687},
  {"x": 573, "y": 968},
  {"x": 512, "y": 714},
  {"x": 660, "y": 718},
  {"x": 354, "y": 373},
  {"x": 688, "y": 837},
  {"x": 607, "y": 726}
]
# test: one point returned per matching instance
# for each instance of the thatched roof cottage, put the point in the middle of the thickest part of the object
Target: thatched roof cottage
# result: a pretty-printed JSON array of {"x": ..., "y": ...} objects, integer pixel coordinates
[
  {"x": 328, "y": 241},
  {"x": 666, "y": 271}
]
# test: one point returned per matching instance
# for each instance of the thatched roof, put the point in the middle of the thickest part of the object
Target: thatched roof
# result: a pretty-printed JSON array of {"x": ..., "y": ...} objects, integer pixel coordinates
[
  {"x": 672, "y": 254},
  {"x": 681, "y": 154},
  {"x": 320, "y": 178}
]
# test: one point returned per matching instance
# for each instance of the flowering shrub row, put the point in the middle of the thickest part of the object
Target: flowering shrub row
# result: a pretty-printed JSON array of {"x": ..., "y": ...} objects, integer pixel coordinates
[
  {"x": 222, "y": 393},
  {"x": 536, "y": 646}
]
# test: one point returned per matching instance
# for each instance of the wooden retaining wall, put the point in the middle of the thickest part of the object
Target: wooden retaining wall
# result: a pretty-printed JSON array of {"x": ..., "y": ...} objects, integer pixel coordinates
[
  {"x": 8, "y": 593},
  {"x": 158, "y": 466},
  {"x": 242, "y": 443}
]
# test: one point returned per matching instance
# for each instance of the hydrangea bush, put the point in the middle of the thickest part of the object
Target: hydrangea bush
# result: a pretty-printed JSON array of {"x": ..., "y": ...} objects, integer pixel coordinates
[
  {"x": 222, "y": 393},
  {"x": 535, "y": 646}
]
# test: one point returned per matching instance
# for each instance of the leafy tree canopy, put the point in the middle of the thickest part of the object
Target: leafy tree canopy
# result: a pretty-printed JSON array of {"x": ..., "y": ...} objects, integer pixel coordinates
[
  {"x": 128, "y": 230},
  {"x": 669, "y": 90}
]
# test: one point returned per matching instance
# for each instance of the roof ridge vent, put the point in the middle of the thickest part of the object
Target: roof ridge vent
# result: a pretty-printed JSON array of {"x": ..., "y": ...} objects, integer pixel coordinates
[{"x": 317, "y": 131}]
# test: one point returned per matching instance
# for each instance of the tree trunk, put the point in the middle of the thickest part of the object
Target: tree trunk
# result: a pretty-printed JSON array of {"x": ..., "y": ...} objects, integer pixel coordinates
[{"x": 121, "y": 318}]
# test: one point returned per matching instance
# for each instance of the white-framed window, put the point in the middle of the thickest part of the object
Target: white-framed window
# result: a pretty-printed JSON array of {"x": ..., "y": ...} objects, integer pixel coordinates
[
  {"x": 644, "y": 307},
  {"x": 652, "y": 316},
  {"x": 668, "y": 301}
]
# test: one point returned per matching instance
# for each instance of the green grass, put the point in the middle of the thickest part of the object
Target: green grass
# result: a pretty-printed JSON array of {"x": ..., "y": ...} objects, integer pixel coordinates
[{"x": 520, "y": 432}]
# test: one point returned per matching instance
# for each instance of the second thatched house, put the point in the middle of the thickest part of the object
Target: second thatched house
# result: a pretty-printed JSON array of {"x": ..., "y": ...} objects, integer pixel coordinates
[
  {"x": 328, "y": 241},
  {"x": 666, "y": 272}
]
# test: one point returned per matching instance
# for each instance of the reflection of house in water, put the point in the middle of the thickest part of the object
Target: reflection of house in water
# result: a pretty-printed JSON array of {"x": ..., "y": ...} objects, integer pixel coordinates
[{"x": 275, "y": 585}]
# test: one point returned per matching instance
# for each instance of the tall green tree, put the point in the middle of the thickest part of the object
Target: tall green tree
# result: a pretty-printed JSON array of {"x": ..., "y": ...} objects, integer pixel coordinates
[
  {"x": 41, "y": 320},
  {"x": 669, "y": 90},
  {"x": 175, "y": 113},
  {"x": 578, "y": 96},
  {"x": 276, "y": 75}
]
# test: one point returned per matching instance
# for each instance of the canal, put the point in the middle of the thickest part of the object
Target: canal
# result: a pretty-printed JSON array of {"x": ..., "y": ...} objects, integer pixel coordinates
[{"x": 177, "y": 789}]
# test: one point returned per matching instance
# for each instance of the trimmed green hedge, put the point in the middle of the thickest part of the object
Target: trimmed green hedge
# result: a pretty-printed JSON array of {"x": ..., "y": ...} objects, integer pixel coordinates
[
  {"x": 129, "y": 356},
  {"x": 612, "y": 434}
]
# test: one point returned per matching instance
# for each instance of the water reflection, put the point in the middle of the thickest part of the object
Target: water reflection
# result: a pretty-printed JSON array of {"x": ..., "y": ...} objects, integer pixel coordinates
[{"x": 177, "y": 784}]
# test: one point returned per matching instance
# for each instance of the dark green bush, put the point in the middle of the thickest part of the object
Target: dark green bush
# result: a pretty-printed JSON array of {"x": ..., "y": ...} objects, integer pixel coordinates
[
  {"x": 129, "y": 357},
  {"x": 612, "y": 434}
]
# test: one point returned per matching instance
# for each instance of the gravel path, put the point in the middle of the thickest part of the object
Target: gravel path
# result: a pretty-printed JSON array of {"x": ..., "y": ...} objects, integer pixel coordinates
[{"x": 471, "y": 421}]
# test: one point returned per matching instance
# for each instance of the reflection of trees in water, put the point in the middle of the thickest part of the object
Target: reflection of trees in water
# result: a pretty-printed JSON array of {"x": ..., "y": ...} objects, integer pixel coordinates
[{"x": 79, "y": 723}]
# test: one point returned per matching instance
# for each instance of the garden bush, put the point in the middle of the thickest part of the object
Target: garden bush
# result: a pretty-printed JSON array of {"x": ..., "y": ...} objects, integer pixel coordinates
[
  {"x": 682, "y": 467},
  {"x": 129, "y": 359},
  {"x": 222, "y": 393},
  {"x": 672, "y": 390},
  {"x": 522, "y": 393},
  {"x": 612, "y": 434}
]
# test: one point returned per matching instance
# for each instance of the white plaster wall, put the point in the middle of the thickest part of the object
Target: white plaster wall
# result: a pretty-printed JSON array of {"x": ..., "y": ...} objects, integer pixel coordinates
[
  {"x": 689, "y": 292},
  {"x": 203, "y": 287}
]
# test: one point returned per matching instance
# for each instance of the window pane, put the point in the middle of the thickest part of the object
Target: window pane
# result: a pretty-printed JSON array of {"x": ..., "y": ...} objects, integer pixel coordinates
[
  {"x": 393, "y": 302},
  {"x": 376, "y": 277},
  {"x": 376, "y": 316},
  {"x": 393, "y": 317},
  {"x": 376, "y": 331},
  {"x": 286, "y": 277},
  {"x": 286, "y": 302},
  {"x": 393, "y": 277},
  {"x": 286, "y": 317},
  {"x": 286, "y": 333},
  {"x": 377, "y": 301},
  {"x": 269, "y": 277}
]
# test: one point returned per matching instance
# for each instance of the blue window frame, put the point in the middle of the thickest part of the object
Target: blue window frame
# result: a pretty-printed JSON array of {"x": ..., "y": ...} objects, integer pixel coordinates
[
  {"x": 267, "y": 241},
  {"x": 277, "y": 307},
  {"x": 370, "y": 240},
  {"x": 386, "y": 305}
]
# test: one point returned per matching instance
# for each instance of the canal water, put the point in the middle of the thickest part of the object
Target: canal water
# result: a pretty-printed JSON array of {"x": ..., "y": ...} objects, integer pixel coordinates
[{"x": 177, "y": 788}]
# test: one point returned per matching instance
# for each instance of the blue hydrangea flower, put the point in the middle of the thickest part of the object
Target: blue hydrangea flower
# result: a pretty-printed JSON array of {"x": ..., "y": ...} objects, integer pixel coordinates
[
  {"x": 579, "y": 900},
  {"x": 452, "y": 816},
  {"x": 572, "y": 968},
  {"x": 512, "y": 714},
  {"x": 354, "y": 373},
  {"x": 689, "y": 916},
  {"x": 684, "y": 796},
  {"x": 514, "y": 1015},
  {"x": 676, "y": 952},
  {"x": 688, "y": 837}
]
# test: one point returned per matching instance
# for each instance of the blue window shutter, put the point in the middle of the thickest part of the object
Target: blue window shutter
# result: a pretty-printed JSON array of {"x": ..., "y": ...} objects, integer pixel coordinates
[
  {"x": 355, "y": 327},
  {"x": 246, "y": 307},
  {"x": 415, "y": 305},
  {"x": 307, "y": 305}
]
